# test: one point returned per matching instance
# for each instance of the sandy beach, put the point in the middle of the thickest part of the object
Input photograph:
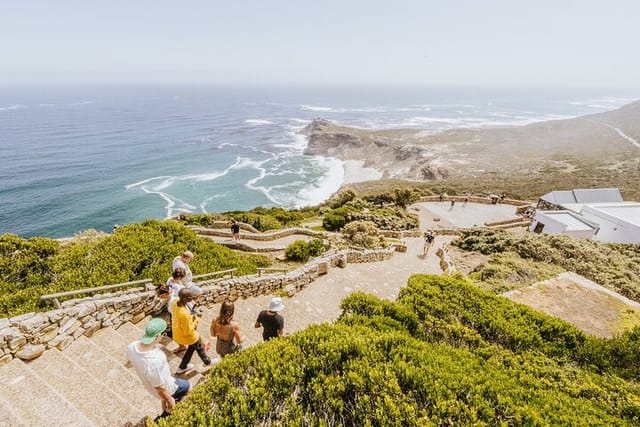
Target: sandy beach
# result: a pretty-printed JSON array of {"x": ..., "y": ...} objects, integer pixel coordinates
[{"x": 354, "y": 171}]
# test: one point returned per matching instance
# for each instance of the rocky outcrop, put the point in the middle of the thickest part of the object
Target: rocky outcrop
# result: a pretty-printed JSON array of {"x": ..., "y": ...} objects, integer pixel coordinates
[{"x": 610, "y": 139}]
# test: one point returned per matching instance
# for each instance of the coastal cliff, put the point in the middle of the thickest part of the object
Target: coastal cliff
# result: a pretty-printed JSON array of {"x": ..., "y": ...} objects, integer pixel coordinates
[{"x": 607, "y": 140}]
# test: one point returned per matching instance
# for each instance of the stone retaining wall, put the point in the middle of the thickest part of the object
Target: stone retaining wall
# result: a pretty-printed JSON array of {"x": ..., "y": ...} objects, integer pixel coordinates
[
  {"x": 474, "y": 199},
  {"x": 418, "y": 233},
  {"x": 267, "y": 236},
  {"x": 27, "y": 336}
]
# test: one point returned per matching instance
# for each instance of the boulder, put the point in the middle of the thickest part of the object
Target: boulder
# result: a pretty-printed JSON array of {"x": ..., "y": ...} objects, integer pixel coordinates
[{"x": 31, "y": 351}]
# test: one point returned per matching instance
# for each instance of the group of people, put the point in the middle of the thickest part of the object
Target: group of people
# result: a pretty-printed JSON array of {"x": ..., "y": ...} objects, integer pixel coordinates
[{"x": 180, "y": 323}]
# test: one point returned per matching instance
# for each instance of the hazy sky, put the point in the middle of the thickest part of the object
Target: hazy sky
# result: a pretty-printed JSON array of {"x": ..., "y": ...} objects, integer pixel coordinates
[{"x": 541, "y": 42}]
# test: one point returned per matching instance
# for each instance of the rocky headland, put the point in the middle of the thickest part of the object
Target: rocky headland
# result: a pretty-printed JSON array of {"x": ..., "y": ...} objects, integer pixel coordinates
[{"x": 608, "y": 142}]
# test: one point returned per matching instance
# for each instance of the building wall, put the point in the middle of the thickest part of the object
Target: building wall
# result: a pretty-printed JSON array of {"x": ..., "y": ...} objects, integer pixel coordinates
[
  {"x": 612, "y": 230},
  {"x": 551, "y": 226}
]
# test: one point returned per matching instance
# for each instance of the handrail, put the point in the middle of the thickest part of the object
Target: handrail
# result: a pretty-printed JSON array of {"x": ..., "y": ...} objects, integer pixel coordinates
[
  {"x": 215, "y": 273},
  {"x": 261, "y": 269},
  {"x": 55, "y": 296}
]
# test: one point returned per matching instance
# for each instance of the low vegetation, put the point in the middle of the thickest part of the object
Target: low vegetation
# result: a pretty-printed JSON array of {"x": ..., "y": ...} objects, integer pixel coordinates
[
  {"x": 262, "y": 219},
  {"x": 445, "y": 353},
  {"x": 33, "y": 267},
  {"x": 302, "y": 251},
  {"x": 615, "y": 266}
]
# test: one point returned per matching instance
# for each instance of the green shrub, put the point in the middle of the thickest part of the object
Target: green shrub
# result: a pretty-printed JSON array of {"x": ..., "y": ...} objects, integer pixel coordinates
[
  {"x": 372, "y": 368},
  {"x": 335, "y": 219},
  {"x": 302, "y": 251},
  {"x": 37, "y": 266},
  {"x": 363, "y": 234},
  {"x": 616, "y": 267},
  {"x": 297, "y": 251}
]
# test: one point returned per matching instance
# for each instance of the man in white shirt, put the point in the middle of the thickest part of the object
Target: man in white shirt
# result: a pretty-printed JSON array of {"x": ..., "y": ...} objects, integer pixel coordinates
[
  {"x": 153, "y": 369},
  {"x": 182, "y": 261}
]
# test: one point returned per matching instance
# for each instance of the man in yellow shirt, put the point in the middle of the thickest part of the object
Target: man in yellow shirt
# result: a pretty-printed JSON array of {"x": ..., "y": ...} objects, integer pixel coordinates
[{"x": 184, "y": 325}]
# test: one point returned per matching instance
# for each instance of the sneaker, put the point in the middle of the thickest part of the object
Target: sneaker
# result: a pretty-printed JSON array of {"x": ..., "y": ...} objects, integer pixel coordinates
[{"x": 189, "y": 367}]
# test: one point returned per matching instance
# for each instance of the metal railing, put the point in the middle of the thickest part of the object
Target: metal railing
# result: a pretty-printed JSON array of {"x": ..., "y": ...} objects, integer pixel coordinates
[
  {"x": 268, "y": 269},
  {"x": 55, "y": 296},
  {"x": 230, "y": 271}
]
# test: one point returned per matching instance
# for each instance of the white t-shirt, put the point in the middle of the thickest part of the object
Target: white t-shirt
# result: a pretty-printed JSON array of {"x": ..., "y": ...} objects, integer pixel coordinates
[
  {"x": 177, "y": 262},
  {"x": 152, "y": 368},
  {"x": 175, "y": 288}
]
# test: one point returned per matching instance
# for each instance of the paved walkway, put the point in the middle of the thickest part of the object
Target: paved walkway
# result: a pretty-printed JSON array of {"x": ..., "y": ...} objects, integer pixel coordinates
[
  {"x": 276, "y": 244},
  {"x": 461, "y": 215},
  {"x": 320, "y": 301}
]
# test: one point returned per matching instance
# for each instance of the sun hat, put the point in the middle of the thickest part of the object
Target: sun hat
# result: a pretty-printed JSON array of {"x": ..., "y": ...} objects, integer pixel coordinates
[
  {"x": 275, "y": 304},
  {"x": 154, "y": 328}
]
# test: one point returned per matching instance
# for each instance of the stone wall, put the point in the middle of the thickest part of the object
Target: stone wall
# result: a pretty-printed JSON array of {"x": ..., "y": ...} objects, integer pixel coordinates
[
  {"x": 28, "y": 335},
  {"x": 473, "y": 199},
  {"x": 266, "y": 236}
]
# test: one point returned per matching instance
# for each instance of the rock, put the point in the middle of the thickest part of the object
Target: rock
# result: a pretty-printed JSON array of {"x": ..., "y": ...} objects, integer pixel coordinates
[
  {"x": 47, "y": 334},
  {"x": 5, "y": 359},
  {"x": 31, "y": 351},
  {"x": 290, "y": 290},
  {"x": 342, "y": 261},
  {"x": 17, "y": 342},
  {"x": 31, "y": 323},
  {"x": 18, "y": 319},
  {"x": 64, "y": 343},
  {"x": 138, "y": 317},
  {"x": 85, "y": 309},
  {"x": 4, "y": 323},
  {"x": 70, "y": 326},
  {"x": 323, "y": 268}
]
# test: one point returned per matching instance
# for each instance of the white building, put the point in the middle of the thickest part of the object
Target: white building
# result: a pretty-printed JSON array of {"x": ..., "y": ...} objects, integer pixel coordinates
[
  {"x": 563, "y": 222},
  {"x": 598, "y": 214},
  {"x": 618, "y": 222}
]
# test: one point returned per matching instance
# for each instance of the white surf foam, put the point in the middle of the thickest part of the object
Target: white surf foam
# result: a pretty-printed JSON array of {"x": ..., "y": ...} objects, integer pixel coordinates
[
  {"x": 13, "y": 107},
  {"x": 316, "y": 108},
  {"x": 79, "y": 103},
  {"x": 330, "y": 182},
  {"x": 258, "y": 122}
]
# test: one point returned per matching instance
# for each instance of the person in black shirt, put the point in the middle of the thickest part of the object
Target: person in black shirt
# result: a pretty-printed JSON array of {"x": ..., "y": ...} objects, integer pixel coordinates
[
  {"x": 235, "y": 229},
  {"x": 270, "y": 320}
]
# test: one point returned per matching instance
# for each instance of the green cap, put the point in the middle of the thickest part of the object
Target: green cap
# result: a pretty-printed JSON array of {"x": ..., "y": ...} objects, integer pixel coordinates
[{"x": 154, "y": 328}]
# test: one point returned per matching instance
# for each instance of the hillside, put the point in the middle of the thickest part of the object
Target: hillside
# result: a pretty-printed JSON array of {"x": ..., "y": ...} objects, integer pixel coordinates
[
  {"x": 445, "y": 353},
  {"x": 595, "y": 150}
]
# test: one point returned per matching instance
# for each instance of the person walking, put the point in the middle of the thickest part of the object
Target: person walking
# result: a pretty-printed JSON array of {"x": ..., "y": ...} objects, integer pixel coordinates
[
  {"x": 182, "y": 261},
  {"x": 235, "y": 229},
  {"x": 152, "y": 367},
  {"x": 428, "y": 241},
  {"x": 270, "y": 319},
  {"x": 226, "y": 331},
  {"x": 184, "y": 325}
]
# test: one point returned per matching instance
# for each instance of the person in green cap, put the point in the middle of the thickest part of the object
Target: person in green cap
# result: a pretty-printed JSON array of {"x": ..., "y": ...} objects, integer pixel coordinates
[{"x": 153, "y": 369}]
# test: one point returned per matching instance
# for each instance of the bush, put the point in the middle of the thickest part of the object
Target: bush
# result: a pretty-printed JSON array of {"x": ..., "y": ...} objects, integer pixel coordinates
[
  {"x": 297, "y": 251},
  {"x": 616, "y": 267},
  {"x": 372, "y": 367},
  {"x": 363, "y": 234},
  {"x": 335, "y": 219},
  {"x": 302, "y": 251},
  {"x": 34, "y": 267}
]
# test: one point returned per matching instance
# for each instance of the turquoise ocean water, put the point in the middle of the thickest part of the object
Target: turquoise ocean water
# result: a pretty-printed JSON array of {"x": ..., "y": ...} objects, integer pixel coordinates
[{"x": 82, "y": 157}]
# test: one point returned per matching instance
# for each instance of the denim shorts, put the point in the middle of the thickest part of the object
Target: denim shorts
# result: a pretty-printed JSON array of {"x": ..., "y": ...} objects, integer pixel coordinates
[{"x": 183, "y": 388}]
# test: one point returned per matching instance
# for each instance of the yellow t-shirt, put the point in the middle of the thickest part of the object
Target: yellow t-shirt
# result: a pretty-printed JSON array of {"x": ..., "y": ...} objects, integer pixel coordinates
[{"x": 183, "y": 325}]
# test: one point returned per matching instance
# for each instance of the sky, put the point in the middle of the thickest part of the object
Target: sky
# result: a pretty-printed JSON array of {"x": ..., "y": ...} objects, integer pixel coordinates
[{"x": 456, "y": 42}]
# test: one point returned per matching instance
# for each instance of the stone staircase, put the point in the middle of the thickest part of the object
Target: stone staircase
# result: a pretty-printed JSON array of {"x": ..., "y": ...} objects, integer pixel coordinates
[{"x": 88, "y": 384}]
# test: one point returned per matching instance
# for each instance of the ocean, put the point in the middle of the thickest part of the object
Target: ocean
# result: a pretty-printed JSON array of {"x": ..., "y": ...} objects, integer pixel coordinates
[{"x": 81, "y": 157}]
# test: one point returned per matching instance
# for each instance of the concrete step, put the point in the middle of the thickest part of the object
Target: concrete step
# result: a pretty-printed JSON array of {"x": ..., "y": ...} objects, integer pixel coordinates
[
  {"x": 10, "y": 416},
  {"x": 37, "y": 402},
  {"x": 113, "y": 343},
  {"x": 112, "y": 374},
  {"x": 103, "y": 406},
  {"x": 131, "y": 332}
]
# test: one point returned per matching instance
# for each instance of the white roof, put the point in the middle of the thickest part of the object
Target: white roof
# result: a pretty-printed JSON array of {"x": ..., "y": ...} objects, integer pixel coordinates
[
  {"x": 571, "y": 220},
  {"x": 589, "y": 195},
  {"x": 628, "y": 212}
]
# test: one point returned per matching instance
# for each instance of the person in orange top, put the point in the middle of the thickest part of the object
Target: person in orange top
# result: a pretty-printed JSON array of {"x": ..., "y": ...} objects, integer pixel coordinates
[{"x": 184, "y": 325}]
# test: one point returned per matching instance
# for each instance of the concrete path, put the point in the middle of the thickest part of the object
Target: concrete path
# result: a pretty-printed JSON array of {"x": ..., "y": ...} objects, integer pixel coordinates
[
  {"x": 277, "y": 244},
  {"x": 461, "y": 215},
  {"x": 320, "y": 301}
]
